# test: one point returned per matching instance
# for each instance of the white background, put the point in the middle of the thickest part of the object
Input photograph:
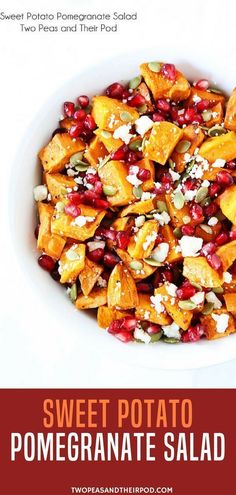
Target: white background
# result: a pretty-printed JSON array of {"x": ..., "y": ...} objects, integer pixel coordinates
[{"x": 35, "y": 349}]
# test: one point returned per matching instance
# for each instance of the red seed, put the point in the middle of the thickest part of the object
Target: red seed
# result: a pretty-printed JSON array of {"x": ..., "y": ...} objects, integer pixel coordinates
[
  {"x": 190, "y": 115},
  {"x": 166, "y": 180},
  {"x": 83, "y": 101},
  {"x": 125, "y": 94},
  {"x": 163, "y": 105},
  {"x": 124, "y": 336},
  {"x": 106, "y": 233},
  {"x": 72, "y": 210},
  {"x": 166, "y": 275},
  {"x": 89, "y": 123},
  {"x": 136, "y": 101},
  {"x": 114, "y": 327},
  {"x": 193, "y": 334},
  {"x": 76, "y": 130},
  {"x": 75, "y": 197},
  {"x": 214, "y": 261},
  {"x": 231, "y": 165},
  {"x": 111, "y": 260},
  {"x": 144, "y": 287},
  {"x": 203, "y": 105},
  {"x": 222, "y": 238},
  {"x": 128, "y": 323},
  {"x": 69, "y": 108},
  {"x": 208, "y": 248},
  {"x": 214, "y": 190},
  {"x": 101, "y": 204},
  {"x": 159, "y": 239},
  {"x": 189, "y": 184},
  {"x": 224, "y": 178},
  {"x": 157, "y": 117},
  {"x": 196, "y": 213},
  {"x": 202, "y": 84},
  {"x": 79, "y": 115},
  {"x": 46, "y": 262},
  {"x": 232, "y": 235},
  {"x": 197, "y": 119},
  {"x": 143, "y": 174},
  {"x": 96, "y": 255},
  {"x": 115, "y": 90},
  {"x": 185, "y": 292},
  {"x": 169, "y": 71},
  {"x": 181, "y": 120},
  {"x": 131, "y": 157},
  {"x": 89, "y": 197},
  {"x": 98, "y": 188},
  {"x": 92, "y": 178},
  {"x": 122, "y": 239},
  {"x": 188, "y": 229},
  {"x": 120, "y": 153},
  {"x": 153, "y": 329},
  {"x": 211, "y": 209}
]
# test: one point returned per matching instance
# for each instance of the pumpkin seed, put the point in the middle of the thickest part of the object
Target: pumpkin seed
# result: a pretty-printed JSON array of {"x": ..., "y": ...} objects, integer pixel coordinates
[
  {"x": 152, "y": 262},
  {"x": 171, "y": 340},
  {"x": 156, "y": 336},
  {"x": 171, "y": 163},
  {"x": 215, "y": 90},
  {"x": 183, "y": 146},
  {"x": 106, "y": 134},
  {"x": 206, "y": 201},
  {"x": 126, "y": 116},
  {"x": 135, "y": 145},
  {"x": 207, "y": 115},
  {"x": 208, "y": 308},
  {"x": 177, "y": 233},
  {"x": 104, "y": 161},
  {"x": 201, "y": 194},
  {"x": 136, "y": 265},
  {"x": 186, "y": 219},
  {"x": 187, "y": 305},
  {"x": 206, "y": 228},
  {"x": 134, "y": 83},
  {"x": 109, "y": 190},
  {"x": 154, "y": 66},
  {"x": 76, "y": 158},
  {"x": 218, "y": 290},
  {"x": 178, "y": 200},
  {"x": 216, "y": 130},
  {"x": 137, "y": 192},
  {"x": 81, "y": 166},
  {"x": 73, "y": 293},
  {"x": 161, "y": 206},
  {"x": 142, "y": 109},
  {"x": 60, "y": 207}
]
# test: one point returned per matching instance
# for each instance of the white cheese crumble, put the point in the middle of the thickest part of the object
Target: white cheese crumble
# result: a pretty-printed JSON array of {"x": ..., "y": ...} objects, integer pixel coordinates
[
  {"x": 227, "y": 277},
  {"x": 147, "y": 195},
  {"x": 190, "y": 245},
  {"x": 139, "y": 334},
  {"x": 71, "y": 254},
  {"x": 205, "y": 183},
  {"x": 149, "y": 239},
  {"x": 222, "y": 322},
  {"x": 171, "y": 331},
  {"x": 40, "y": 193},
  {"x": 92, "y": 245},
  {"x": 219, "y": 163},
  {"x": 198, "y": 298},
  {"x": 213, "y": 221},
  {"x": 101, "y": 282},
  {"x": 161, "y": 251},
  {"x": 78, "y": 180},
  {"x": 132, "y": 177},
  {"x": 123, "y": 133},
  {"x": 171, "y": 289},
  {"x": 156, "y": 303},
  {"x": 211, "y": 298},
  {"x": 196, "y": 98},
  {"x": 163, "y": 218},
  {"x": 80, "y": 221},
  {"x": 190, "y": 194},
  {"x": 139, "y": 221},
  {"x": 143, "y": 124},
  {"x": 175, "y": 176}
]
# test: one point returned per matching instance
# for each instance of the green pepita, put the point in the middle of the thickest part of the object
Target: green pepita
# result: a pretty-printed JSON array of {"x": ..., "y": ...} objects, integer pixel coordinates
[
  {"x": 154, "y": 66},
  {"x": 177, "y": 233},
  {"x": 188, "y": 305},
  {"x": 201, "y": 194},
  {"x": 161, "y": 206},
  {"x": 206, "y": 228},
  {"x": 183, "y": 146},
  {"x": 81, "y": 166},
  {"x": 109, "y": 190},
  {"x": 156, "y": 336},
  {"x": 207, "y": 115},
  {"x": 152, "y": 262},
  {"x": 60, "y": 207},
  {"x": 106, "y": 134},
  {"x": 208, "y": 308},
  {"x": 178, "y": 200},
  {"x": 137, "y": 192},
  {"x": 73, "y": 293},
  {"x": 136, "y": 265},
  {"x": 218, "y": 290},
  {"x": 135, "y": 145},
  {"x": 172, "y": 164},
  {"x": 216, "y": 90},
  {"x": 216, "y": 130},
  {"x": 142, "y": 109},
  {"x": 126, "y": 116},
  {"x": 170, "y": 340},
  {"x": 206, "y": 201},
  {"x": 76, "y": 158},
  {"x": 134, "y": 83}
]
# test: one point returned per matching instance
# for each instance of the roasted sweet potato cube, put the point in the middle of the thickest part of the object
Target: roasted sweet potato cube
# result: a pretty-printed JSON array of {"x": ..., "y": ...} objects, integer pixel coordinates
[
  {"x": 213, "y": 98},
  {"x": 230, "y": 115},
  {"x": 230, "y": 301},
  {"x": 139, "y": 208},
  {"x": 210, "y": 325},
  {"x": 67, "y": 123},
  {"x": 161, "y": 87},
  {"x": 146, "y": 311},
  {"x": 142, "y": 243},
  {"x": 96, "y": 298},
  {"x": 227, "y": 254},
  {"x": 217, "y": 113},
  {"x": 195, "y": 136},
  {"x": 114, "y": 174},
  {"x": 106, "y": 315},
  {"x": 198, "y": 271},
  {"x": 149, "y": 184},
  {"x": 63, "y": 224},
  {"x": 110, "y": 143},
  {"x": 173, "y": 254},
  {"x": 121, "y": 292},
  {"x": 71, "y": 263},
  {"x": 144, "y": 272},
  {"x": 208, "y": 236},
  {"x": 58, "y": 186},
  {"x": 227, "y": 202},
  {"x": 211, "y": 173},
  {"x": 51, "y": 244},
  {"x": 176, "y": 215},
  {"x": 162, "y": 141},
  {"x": 109, "y": 113},
  {"x": 223, "y": 146},
  {"x": 181, "y": 317},
  {"x": 125, "y": 223},
  {"x": 89, "y": 276},
  {"x": 58, "y": 151},
  {"x": 96, "y": 151}
]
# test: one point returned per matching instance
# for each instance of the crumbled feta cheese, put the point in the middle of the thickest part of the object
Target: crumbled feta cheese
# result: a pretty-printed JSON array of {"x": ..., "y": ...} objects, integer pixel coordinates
[
  {"x": 219, "y": 163},
  {"x": 91, "y": 170},
  {"x": 143, "y": 124},
  {"x": 147, "y": 195},
  {"x": 175, "y": 176},
  {"x": 40, "y": 193},
  {"x": 211, "y": 298},
  {"x": 171, "y": 331},
  {"x": 171, "y": 289},
  {"x": 198, "y": 298},
  {"x": 161, "y": 251},
  {"x": 139, "y": 221},
  {"x": 71, "y": 254},
  {"x": 132, "y": 177},
  {"x": 123, "y": 133},
  {"x": 78, "y": 180},
  {"x": 92, "y": 245},
  {"x": 213, "y": 221},
  {"x": 80, "y": 221},
  {"x": 222, "y": 322},
  {"x": 70, "y": 172},
  {"x": 205, "y": 183},
  {"x": 149, "y": 239},
  {"x": 156, "y": 303},
  {"x": 187, "y": 157},
  {"x": 196, "y": 98},
  {"x": 112, "y": 121},
  {"x": 227, "y": 277},
  {"x": 190, "y": 245},
  {"x": 163, "y": 218},
  {"x": 146, "y": 315},
  {"x": 189, "y": 195},
  {"x": 101, "y": 282},
  {"x": 139, "y": 334}
]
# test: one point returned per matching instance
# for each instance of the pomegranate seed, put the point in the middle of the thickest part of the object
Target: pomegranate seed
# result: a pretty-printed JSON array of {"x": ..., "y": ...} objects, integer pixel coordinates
[
  {"x": 114, "y": 327},
  {"x": 128, "y": 323},
  {"x": 196, "y": 213},
  {"x": 125, "y": 94},
  {"x": 153, "y": 329},
  {"x": 69, "y": 108},
  {"x": 185, "y": 292},
  {"x": 231, "y": 165},
  {"x": 101, "y": 204},
  {"x": 159, "y": 239},
  {"x": 169, "y": 71},
  {"x": 131, "y": 157},
  {"x": 86, "y": 135},
  {"x": 189, "y": 115},
  {"x": 163, "y": 105},
  {"x": 203, "y": 105},
  {"x": 193, "y": 334},
  {"x": 157, "y": 117},
  {"x": 76, "y": 130},
  {"x": 106, "y": 233},
  {"x": 55, "y": 274},
  {"x": 136, "y": 101},
  {"x": 167, "y": 180},
  {"x": 122, "y": 240},
  {"x": 72, "y": 210},
  {"x": 36, "y": 232},
  {"x": 167, "y": 275},
  {"x": 189, "y": 184},
  {"x": 143, "y": 174},
  {"x": 96, "y": 255},
  {"x": 111, "y": 260},
  {"x": 208, "y": 248},
  {"x": 188, "y": 229},
  {"x": 98, "y": 188},
  {"x": 92, "y": 178},
  {"x": 89, "y": 123},
  {"x": 181, "y": 120},
  {"x": 222, "y": 238},
  {"x": 120, "y": 153},
  {"x": 89, "y": 196},
  {"x": 232, "y": 235},
  {"x": 79, "y": 115},
  {"x": 224, "y": 178},
  {"x": 211, "y": 209},
  {"x": 144, "y": 287},
  {"x": 46, "y": 262},
  {"x": 197, "y": 119},
  {"x": 83, "y": 101},
  {"x": 115, "y": 90},
  {"x": 124, "y": 336},
  {"x": 174, "y": 113},
  {"x": 202, "y": 84},
  {"x": 75, "y": 197},
  {"x": 214, "y": 190},
  {"x": 214, "y": 261}
]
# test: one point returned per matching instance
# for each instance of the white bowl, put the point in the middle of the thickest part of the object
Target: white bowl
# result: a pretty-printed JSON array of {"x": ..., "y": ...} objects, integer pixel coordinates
[{"x": 22, "y": 212}]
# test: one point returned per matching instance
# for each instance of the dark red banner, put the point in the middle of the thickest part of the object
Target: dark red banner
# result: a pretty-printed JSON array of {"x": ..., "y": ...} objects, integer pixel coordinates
[{"x": 60, "y": 442}]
